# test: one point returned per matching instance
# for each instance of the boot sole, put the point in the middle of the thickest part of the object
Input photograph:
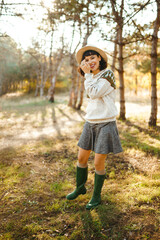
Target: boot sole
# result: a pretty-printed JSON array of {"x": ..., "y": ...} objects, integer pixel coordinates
[
  {"x": 93, "y": 206},
  {"x": 76, "y": 196}
]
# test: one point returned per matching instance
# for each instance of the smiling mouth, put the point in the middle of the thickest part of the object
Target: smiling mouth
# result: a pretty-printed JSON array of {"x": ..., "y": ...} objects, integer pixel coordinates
[{"x": 92, "y": 66}]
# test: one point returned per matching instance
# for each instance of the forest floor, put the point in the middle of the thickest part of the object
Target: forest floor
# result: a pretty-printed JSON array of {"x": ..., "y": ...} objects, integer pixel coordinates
[{"x": 38, "y": 155}]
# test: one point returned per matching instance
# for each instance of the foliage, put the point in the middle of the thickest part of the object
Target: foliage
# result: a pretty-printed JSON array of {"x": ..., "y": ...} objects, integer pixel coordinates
[
  {"x": 21, "y": 70},
  {"x": 145, "y": 66}
]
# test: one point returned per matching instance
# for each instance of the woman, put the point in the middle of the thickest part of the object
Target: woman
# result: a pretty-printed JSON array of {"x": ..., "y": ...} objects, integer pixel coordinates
[{"x": 100, "y": 132}]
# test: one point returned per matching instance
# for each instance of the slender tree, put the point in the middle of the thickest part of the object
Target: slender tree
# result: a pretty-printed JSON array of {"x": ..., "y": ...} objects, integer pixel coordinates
[
  {"x": 123, "y": 16},
  {"x": 73, "y": 96},
  {"x": 113, "y": 66},
  {"x": 56, "y": 69},
  {"x": 82, "y": 16},
  {"x": 42, "y": 66},
  {"x": 50, "y": 25},
  {"x": 118, "y": 15},
  {"x": 153, "y": 115},
  {"x": 90, "y": 25}
]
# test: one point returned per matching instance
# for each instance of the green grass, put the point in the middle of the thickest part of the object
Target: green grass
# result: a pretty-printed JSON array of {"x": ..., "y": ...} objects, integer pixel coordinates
[
  {"x": 27, "y": 102},
  {"x": 36, "y": 177}
]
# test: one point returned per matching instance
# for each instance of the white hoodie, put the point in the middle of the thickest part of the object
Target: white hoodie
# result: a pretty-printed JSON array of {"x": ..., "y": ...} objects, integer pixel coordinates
[{"x": 101, "y": 102}]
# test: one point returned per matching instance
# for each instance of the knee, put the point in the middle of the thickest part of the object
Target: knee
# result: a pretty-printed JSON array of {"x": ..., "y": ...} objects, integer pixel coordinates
[
  {"x": 82, "y": 160},
  {"x": 99, "y": 161},
  {"x": 99, "y": 166}
]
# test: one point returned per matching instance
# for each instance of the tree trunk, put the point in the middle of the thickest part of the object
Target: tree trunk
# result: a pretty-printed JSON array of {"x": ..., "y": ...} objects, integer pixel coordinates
[
  {"x": 41, "y": 90},
  {"x": 57, "y": 68},
  {"x": 51, "y": 56},
  {"x": 153, "y": 115},
  {"x": 119, "y": 20},
  {"x": 73, "y": 79},
  {"x": 51, "y": 90},
  {"x": 121, "y": 77},
  {"x": 88, "y": 26},
  {"x": 81, "y": 94},
  {"x": 114, "y": 53},
  {"x": 42, "y": 80},
  {"x": 121, "y": 70},
  {"x": 37, "y": 85},
  {"x": 136, "y": 85},
  {"x": 53, "y": 80},
  {"x": 1, "y": 93},
  {"x": 136, "y": 78},
  {"x": 76, "y": 91},
  {"x": 70, "y": 98}
]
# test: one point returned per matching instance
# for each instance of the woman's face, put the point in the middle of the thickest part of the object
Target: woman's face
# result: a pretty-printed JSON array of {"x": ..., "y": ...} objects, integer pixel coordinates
[{"x": 93, "y": 61}]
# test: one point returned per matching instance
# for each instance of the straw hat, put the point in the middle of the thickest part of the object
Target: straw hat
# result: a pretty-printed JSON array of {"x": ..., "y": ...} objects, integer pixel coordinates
[{"x": 81, "y": 51}]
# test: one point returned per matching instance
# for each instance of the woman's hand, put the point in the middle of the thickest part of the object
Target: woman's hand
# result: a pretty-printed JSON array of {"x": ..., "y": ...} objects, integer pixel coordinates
[{"x": 85, "y": 67}]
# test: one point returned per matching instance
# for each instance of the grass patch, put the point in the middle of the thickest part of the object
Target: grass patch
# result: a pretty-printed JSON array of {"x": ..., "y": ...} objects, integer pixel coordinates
[
  {"x": 57, "y": 187},
  {"x": 36, "y": 177},
  {"x": 130, "y": 141}
]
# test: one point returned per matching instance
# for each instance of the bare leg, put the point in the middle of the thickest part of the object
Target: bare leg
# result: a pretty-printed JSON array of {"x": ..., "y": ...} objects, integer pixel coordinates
[
  {"x": 99, "y": 163},
  {"x": 83, "y": 156}
]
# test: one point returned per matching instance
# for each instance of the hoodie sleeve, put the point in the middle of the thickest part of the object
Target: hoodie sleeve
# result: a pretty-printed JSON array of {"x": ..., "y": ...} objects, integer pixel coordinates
[
  {"x": 101, "y": 87},
  {"x": 109, "y": 76}
]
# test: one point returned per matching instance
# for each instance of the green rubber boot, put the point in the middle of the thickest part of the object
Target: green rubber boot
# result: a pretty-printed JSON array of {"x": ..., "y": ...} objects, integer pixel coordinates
[
  {"x": 96, "y": 198},
  {"x": 81, "y": 178}
]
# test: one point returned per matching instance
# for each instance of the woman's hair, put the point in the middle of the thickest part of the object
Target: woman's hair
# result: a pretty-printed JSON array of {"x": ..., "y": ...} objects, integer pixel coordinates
[{"x": 102, "y": 63}]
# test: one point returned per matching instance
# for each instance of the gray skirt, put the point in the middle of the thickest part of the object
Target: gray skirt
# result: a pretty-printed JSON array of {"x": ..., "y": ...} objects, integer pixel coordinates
[{"x": 101, "y": 138}]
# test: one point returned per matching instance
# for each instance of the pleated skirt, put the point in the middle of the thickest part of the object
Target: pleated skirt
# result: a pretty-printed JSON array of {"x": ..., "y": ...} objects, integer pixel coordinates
[{"x": 102, "y": 138}]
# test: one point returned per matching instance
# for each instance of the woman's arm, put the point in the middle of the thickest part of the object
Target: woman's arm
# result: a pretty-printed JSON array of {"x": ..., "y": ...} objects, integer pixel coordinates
[{"x": 100, "y": 88}]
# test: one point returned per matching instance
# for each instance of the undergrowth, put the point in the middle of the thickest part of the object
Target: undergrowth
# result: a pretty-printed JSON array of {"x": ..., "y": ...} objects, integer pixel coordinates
[{"x": 36, "y": 177}]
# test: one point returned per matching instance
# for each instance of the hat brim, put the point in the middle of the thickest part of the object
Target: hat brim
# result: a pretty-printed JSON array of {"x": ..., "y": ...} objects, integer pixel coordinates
[{"x": 81, "y": 51}]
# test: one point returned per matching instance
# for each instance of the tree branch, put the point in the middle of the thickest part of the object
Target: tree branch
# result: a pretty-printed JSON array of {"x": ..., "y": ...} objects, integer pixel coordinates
[
  {"x": 13, "y": 4},
  {"x": 142, "y": 7}
]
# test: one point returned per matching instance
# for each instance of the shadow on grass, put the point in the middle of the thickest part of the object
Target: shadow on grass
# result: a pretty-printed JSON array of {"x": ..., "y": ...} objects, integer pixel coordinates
[
  {"x": 7, "y": 155},
  {"x": 116, "y": 220},
  {"x": 109, "y": 221},
  {"x": 101, "y": 222},
  {"x": 150, "y": 131},
  {"x": 37, "y": 209},
  {"x": 70, "y": 117},
  {"x": 136, "y": 136},
  {"x": 42, "y": 212},
  {"x": 130, "y": 141}
]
